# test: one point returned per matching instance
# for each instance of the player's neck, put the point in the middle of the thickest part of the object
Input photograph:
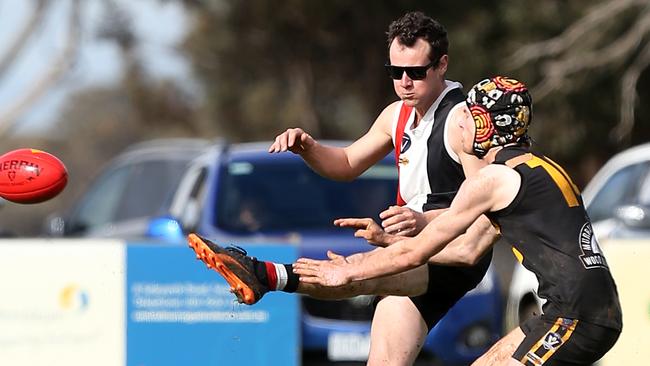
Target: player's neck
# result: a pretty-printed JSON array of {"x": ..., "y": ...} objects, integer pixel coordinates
[
  {"x": 420, "y": 111},
  {"x": 492, "y": 154}
]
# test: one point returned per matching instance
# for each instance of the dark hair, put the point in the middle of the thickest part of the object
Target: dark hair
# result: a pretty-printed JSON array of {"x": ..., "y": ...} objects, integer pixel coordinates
[{"x": 414, "y": 25}]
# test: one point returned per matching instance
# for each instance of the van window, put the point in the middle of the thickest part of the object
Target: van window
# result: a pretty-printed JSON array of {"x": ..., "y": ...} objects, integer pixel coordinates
[
  {"x": 131, "y": 191},
  {"x": 287, "y": 195}
]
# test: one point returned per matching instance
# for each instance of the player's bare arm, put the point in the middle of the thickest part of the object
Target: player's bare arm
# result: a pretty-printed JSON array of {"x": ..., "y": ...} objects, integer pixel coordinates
[
  {"x": 469, "y": 248},
  {"x": 481, "y": 235},
  {"x": 368, "y": 229},
  {"x": 465, "y": 250},
  {"x": 493, "y": 188},
  {"x": 341, "y": 163}
]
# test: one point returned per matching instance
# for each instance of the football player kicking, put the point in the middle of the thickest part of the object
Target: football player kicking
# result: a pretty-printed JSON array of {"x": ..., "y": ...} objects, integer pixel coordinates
[{"x": 539, "y": 212}]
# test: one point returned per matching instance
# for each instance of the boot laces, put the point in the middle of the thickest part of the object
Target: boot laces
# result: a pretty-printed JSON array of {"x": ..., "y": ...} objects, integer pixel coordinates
[{"x": 237, "y": 249}]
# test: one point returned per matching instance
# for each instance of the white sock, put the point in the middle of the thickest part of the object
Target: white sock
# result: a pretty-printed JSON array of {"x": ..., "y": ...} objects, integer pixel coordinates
[{"x": 281, "y": 274}]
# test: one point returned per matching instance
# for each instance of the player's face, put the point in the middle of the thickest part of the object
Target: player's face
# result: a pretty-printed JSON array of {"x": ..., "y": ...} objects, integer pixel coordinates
[
  {"x": 417, "y": 93},
  {"x": 468, "y": 128}
]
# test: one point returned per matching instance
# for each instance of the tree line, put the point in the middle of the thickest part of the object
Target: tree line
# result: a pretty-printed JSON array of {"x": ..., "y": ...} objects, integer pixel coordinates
[{"x": 263, "y": 66}]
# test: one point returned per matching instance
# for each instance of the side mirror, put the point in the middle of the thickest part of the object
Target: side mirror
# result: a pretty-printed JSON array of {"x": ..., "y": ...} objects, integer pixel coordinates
[
  {"x": 634, "y": 216},
  {"x": 165, "y": 228},
  {"x": 189, "y": 218}
]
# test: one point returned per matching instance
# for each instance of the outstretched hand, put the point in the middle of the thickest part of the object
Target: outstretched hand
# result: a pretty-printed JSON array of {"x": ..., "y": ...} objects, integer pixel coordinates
[
  {"x": 294, "y": 139},
  {"x": 400, "y": 220},
  {"x": 366, "y": 228},
  {"x": 328, "y": 273}
]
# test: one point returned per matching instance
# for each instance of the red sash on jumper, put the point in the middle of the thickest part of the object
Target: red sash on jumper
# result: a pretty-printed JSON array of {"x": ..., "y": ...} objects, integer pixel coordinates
[{"x": 404, "y": 114}]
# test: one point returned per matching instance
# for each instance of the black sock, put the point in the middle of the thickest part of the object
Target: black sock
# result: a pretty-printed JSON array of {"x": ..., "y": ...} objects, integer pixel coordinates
[{"x": 292, "y": 279}]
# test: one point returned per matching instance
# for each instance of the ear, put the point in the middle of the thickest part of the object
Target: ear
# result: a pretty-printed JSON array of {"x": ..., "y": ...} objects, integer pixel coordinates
[{"x": 442, "y": 65}]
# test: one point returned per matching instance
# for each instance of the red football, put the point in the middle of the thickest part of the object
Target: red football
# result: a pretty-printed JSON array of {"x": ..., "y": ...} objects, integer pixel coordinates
[{"x": 31, "y": 176}]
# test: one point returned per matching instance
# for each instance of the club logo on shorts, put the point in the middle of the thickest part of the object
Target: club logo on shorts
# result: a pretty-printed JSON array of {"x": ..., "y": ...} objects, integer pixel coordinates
[{"x": 552, "y": 340}]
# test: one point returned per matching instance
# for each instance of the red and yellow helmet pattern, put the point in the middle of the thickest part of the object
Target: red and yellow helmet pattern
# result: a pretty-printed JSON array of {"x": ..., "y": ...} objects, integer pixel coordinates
[{"x": 502, "y": 110}]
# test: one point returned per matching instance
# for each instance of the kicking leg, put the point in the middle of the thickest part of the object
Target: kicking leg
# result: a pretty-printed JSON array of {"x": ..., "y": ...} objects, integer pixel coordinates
[
  {"x": 409, "y": 283},
  {"x": 250, "y": 279}
]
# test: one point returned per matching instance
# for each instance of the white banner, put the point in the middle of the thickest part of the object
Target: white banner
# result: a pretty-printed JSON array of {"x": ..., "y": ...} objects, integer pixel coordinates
[
  {"x": 62, "y": 302},
  {"x": 629, "y": 262}
]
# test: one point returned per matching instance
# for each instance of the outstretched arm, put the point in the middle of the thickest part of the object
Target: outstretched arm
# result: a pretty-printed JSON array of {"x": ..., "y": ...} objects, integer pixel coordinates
[
  {"x": 469, "y": 248},
  {"x": 487, "y": 191},
  {"x": 340, "y": 163},
  {"x": 465, "y": 250}
]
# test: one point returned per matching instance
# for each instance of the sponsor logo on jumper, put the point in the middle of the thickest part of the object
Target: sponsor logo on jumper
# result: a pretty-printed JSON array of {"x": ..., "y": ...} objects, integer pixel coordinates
[
  {"x": 552, "y": 340},
  {"x": 406, "y": 143},
  {"x": 592, "y": 256}
]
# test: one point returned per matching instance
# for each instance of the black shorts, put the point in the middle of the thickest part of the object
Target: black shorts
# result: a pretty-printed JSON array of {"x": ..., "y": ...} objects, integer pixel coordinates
[
  {"x": 553, "y": 341},
  {"x": 446, "y": 286}
]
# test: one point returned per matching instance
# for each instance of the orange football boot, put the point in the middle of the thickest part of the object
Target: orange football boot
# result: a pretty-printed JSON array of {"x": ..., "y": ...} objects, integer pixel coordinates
[{"x": 234, "y": 265}]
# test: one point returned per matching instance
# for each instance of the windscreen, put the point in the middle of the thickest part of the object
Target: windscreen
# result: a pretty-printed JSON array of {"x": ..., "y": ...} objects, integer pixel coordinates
[
  {"x": 141, "y": 189},
  {"x": 288, "y": 196}
]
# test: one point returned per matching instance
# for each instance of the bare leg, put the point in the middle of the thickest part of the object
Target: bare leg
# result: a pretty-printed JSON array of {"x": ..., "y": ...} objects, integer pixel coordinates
[
  {"x": 398, "y": 330},
  {"x": 500, "y": 354},
  {"x": 409, "y": 283},
  {"x": 396, "y": 341}
]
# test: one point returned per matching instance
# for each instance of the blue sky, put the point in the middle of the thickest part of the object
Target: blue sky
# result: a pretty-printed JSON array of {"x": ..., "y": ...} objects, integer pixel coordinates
[{"x": 159, "y": 27}]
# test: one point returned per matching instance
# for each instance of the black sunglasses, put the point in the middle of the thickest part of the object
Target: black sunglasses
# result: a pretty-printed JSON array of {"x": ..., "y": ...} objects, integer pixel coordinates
[{"x": 413, "y": 72}]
